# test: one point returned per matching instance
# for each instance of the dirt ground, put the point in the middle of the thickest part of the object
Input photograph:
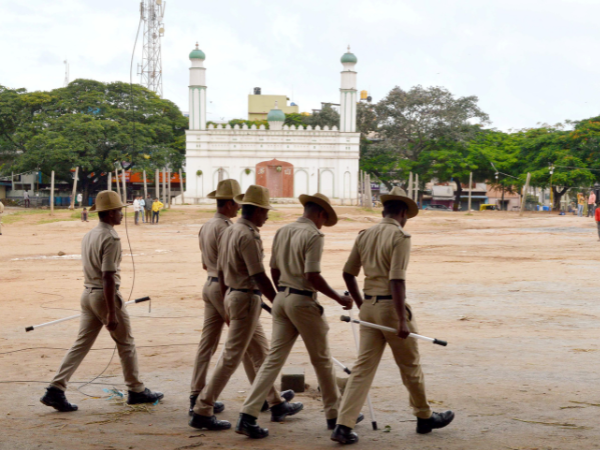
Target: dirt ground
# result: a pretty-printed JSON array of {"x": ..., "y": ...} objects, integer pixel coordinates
[{"x": 516, "y": 298}]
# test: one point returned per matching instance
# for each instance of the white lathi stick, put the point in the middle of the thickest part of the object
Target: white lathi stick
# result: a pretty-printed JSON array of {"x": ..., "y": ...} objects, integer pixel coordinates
[
  {"x": 33, "y": 327},
  {"x": 392, "y": 330}
]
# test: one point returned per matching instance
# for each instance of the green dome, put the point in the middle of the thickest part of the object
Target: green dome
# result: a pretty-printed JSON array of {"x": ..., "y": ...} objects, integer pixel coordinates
[
  {"x": 349, "y": 58},
  {"x": 197, "y": 53},
  {"x": 276, "y": 115}
]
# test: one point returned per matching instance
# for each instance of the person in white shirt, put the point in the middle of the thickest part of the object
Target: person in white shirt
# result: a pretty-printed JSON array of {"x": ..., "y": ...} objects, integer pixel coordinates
[
  {"x": 26, "y": 200},
  {"x": 137, "y": 209},
  {"x": 142, "y": 207}
]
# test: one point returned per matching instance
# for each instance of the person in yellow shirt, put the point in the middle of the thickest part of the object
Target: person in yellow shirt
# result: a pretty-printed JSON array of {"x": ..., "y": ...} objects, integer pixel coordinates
[
  {"x": 156, "y": 207},
  {"x": 580, "y": 203}
]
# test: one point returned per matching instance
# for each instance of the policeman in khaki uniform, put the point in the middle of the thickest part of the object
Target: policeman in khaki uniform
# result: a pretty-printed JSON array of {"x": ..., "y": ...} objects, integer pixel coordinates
[
  {"x": 296, "y": 270},
  {"x": 383, "y": 252},
  {"x": 241, "y": 273},
  {"x": 214, "y": 309},
  {"x": 101, "y": 305}
]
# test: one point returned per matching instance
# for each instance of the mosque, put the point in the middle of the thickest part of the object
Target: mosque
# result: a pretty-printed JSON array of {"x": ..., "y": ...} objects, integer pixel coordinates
[{"x": 289, "y": 161}]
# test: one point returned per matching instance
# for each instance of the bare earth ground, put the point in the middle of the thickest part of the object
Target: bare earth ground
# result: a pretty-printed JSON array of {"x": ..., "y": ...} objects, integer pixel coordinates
[{"x": 517, "y": 299}]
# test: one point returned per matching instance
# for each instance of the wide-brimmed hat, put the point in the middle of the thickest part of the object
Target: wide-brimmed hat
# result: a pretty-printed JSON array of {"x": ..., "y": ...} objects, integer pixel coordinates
[
  {"x": 324, "y": 203},
  {"x": 106, "y": 201},
  {"x": 226, "y": 190},
  {"x": 398, "y": 194},
  {"x": 255, "y": 195}
]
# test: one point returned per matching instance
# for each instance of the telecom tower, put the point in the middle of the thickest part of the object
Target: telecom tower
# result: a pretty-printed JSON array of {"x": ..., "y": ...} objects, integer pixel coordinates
[{"x": 152, "y": 13}]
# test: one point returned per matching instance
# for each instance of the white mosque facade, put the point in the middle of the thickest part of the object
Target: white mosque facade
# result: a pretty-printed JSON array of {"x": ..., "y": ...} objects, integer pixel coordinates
[{"x": 289, "y": 161}]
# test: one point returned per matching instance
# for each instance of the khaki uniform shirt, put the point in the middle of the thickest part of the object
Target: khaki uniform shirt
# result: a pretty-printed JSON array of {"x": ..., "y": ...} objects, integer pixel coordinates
[
  {"x": 383, "y": 252},
  {"x": 297, "y": 249},
  {"x": 210, "y": 236},
  {"x": 101, "y": 252},
  {"x": 240, "y": 254},
  {"x": 1, "y": 207}
]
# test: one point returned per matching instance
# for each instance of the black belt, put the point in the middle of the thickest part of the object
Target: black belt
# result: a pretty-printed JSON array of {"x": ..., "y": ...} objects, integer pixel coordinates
[
  {"x": 378, "y": 297},
  {"x": 215, "y": 279},
  {"x": 296, "y": 291},
  {"x": 101, "y": 289},
  {"x": 246, "y": 291}
]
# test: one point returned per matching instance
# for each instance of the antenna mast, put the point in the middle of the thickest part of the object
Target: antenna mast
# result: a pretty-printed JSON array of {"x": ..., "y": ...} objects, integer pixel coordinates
[
  {"x": 66, "y": 83},
  {"x": 150, "y": 71}
]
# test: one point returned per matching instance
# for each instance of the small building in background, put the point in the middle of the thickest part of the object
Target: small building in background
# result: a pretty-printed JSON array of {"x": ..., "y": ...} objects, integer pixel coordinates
[{"x": 259, "y": 105}]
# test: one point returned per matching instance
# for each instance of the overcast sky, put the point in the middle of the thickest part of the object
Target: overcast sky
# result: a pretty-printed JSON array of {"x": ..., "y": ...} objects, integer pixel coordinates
[{"x": 528, "y": 61}]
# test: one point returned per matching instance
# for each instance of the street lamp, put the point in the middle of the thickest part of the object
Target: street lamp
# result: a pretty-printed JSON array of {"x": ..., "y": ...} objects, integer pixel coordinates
[{"x": 551, "y": 170}]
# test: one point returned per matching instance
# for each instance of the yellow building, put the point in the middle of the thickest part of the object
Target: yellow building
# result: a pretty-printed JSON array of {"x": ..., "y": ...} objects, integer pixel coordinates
[{"x": 259, "y": 105}]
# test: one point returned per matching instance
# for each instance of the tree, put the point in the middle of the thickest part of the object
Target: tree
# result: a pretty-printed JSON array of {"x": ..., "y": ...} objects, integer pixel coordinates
[
  {"x": 93, "y": 126},
  {"x": 412, "y": 123},
  {"x": 327, "y": 116}
]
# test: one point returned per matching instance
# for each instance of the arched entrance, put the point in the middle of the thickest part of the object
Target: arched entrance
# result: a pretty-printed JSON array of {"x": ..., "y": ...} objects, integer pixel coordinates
[{"x": 277, "y": 176}]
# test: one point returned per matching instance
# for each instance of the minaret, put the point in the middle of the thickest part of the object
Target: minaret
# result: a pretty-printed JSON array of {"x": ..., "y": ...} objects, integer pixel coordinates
[
  {"x": 197, "y": 90},
  {"x": 348, "y": 93}
]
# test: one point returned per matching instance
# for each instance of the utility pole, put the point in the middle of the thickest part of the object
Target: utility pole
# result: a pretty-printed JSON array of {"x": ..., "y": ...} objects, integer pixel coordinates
[
  {"x": 182, "y": 186},
  {"x": 416, "y": 199},
  {"x": 410, "y": 185},
  {"x": 72, "y": 206},
  {"x": 52, "y": 193},
  {"x": 124, "y": 186},
  {"x": 145, "y": 186},
  {"x": 470, "y": 189},
  {"x": 109, "y": 181},
  {"x": 525, "y": 189},
  {"x": 157, "y": 184},
  {"x": 117, "y": 182},
  {"x": 66, "y": 82},
  {"x": 152, "y": 13}
]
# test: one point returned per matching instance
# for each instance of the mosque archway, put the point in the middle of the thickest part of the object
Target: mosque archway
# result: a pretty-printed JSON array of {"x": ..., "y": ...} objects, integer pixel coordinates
[
  {"x": 300, "y": 182},
  {"x": 327, "y": 183}
]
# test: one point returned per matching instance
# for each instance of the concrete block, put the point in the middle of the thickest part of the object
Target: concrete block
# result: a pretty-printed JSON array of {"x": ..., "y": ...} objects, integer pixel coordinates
[{"x": 292, "y": 378}]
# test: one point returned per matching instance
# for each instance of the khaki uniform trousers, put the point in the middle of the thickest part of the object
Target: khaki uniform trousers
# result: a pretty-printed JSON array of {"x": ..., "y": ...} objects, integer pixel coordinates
[
  {"x": 372, "y": 345},
  {"x": 93, "y": 318},
  {"x": 245, "y": 335},
  {"x": 295, "y": 315},
  {"x": 214, "y": 320}
]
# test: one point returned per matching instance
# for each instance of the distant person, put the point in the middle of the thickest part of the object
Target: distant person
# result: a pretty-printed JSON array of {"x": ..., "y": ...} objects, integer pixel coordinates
[
  {"x": 79, "y": 199},
  {"x": 26, "y": 201},
  {"x": 84, "y": 215},
  {"x": 597, "y": 218},
  {"x": 148, "y": 209},
  {"x": 137, "y": 209},
  {"x": 156, "y": 207},
  {"x": 142, "y": 208},
  {"x": 580, "y": 203},
  {"x": 1, "y": 211},
  {"x": 102, "y": 305},
  {"x": 591, "y": 204}
]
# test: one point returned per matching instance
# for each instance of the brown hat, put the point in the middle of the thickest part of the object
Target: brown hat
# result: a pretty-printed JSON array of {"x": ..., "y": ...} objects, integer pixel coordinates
[
  {"x": 255, "y": 195},
  {"x": 226, "y": 190},
  {"x": 106, "y": 201},
  {"x": 324, "y": 203},
  {"x": 398, "y": 194}
]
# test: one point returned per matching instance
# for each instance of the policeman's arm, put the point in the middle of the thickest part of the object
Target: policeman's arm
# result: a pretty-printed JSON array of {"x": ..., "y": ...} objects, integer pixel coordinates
[
  {"x": 398, "y": 289},
  {"x": 222, "y": 284},
  {"x": 276, "y": 275},
  {"x": 353, "y": 288},
  {"x": 321, "y": 285},
  {"x": 264, "y": 285},
  {"x": 109, "y": 286}
]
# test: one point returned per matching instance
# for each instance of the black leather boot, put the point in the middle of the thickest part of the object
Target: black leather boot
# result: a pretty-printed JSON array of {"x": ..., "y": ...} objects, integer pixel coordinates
[
  {"x": 56, "y": 398},
  {"x": 344, "y": 435},
  {"x": 208, "y": 422},
  {"x": 284, "y": 409},
  {"x": 287, "y": 395},
  {"x": 331, "y": 423},
  {"x": 247, "y": 426},
  {"x": 437, "y": 420},
  {"x": 218, "y": 408},
  {"x": 135, "y": 398}
]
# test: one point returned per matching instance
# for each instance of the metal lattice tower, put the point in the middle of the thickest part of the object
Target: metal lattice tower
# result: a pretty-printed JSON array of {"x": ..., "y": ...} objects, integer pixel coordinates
[{"x": 150, "y": 71}]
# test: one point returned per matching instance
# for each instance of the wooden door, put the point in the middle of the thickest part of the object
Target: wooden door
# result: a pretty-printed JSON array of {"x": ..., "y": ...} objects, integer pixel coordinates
[{"x": 277, "y": 176}]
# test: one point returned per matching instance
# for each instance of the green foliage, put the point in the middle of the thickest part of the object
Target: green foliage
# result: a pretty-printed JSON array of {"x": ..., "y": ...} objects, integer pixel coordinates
[{"x": 89, "y": 125}]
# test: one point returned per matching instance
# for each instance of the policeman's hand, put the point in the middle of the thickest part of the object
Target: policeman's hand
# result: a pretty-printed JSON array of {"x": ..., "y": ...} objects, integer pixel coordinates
[
  {"x": 346, "y": 301},
  {"x": 403, "y": 330},
  {"x": 111, "y": 321}
]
